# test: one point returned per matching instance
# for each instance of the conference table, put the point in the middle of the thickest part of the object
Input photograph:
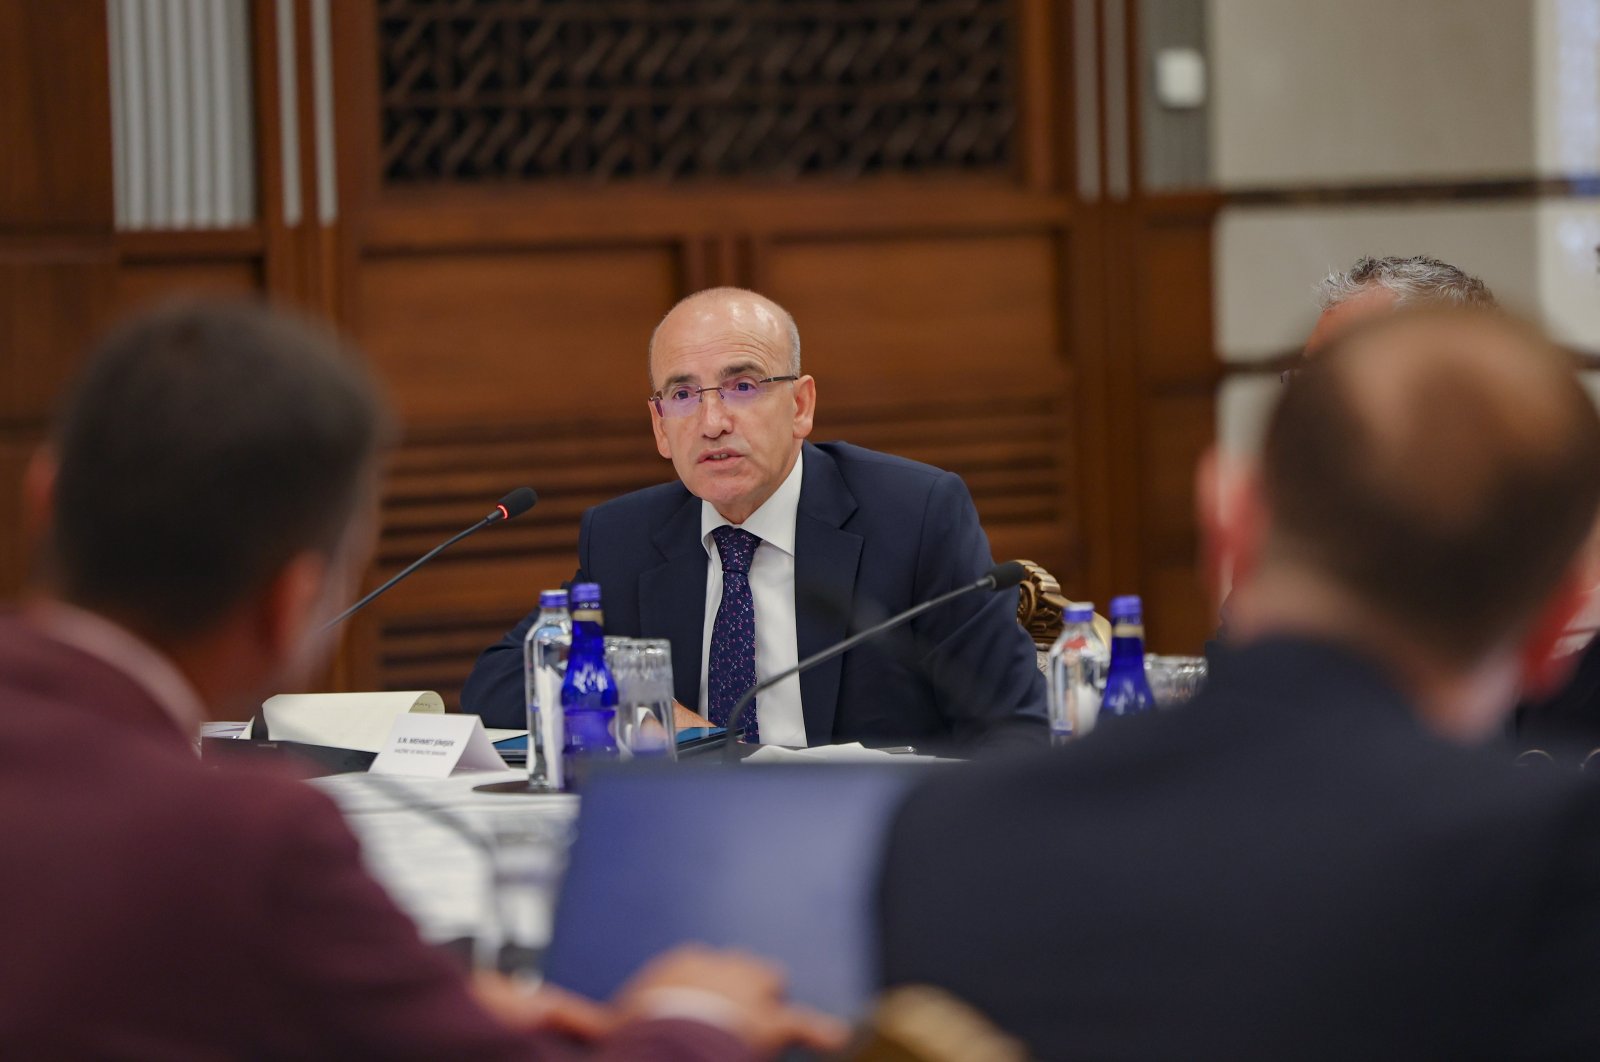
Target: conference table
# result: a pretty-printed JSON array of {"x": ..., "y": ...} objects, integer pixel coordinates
[{"x": 429, "y": 840}]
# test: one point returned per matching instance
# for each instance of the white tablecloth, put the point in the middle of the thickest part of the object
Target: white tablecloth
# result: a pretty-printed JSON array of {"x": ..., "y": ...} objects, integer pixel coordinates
[{"x": 417, "y": 836}]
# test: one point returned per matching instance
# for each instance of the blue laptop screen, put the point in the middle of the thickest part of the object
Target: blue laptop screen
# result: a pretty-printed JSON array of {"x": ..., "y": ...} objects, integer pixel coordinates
[{"x": 778, "y": 860}]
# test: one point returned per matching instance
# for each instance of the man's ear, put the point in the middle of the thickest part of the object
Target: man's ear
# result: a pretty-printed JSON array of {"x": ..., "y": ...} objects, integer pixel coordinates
[
  {"x": 805, "y": 405},
  {"x": 663, "y": 446},
  {"x": 290, "y": 608},
  {"x": 1545, "y": 670},
  {"x": 38, "y": 496},
  {"x": 1232, "y": 520}
]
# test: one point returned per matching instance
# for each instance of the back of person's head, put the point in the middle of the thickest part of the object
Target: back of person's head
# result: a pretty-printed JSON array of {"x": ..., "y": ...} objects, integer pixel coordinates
[
  {"x": 204, "y": 446},
  {"x": 1413, "y": 280},
  {"x": 1443, "y": 467}
]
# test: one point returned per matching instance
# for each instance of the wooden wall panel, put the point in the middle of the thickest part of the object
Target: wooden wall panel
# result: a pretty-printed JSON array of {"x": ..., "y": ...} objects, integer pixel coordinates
[
  {"x": 1177, "y": 372},
  {"x": 947, "y": 349},
  {"x": 907, "y": 313},
  {"x": 53, "y": 301},
  {"x": 1176, "y": 344},
  {"x": 16, "y": 449},
  {"x": 55, "y": 118},
  {"x": 143, "y": 284},
  {"x": 500, "y": 337},
  {"x": 56, "y": 253},
  {"x": 1177, "y": 430}
]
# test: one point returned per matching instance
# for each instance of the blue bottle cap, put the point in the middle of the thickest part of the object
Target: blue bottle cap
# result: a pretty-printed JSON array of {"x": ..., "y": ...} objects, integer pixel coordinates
[
  {"x": 1080, "y": 612},
  {"x": 1127, "y": 607},
  {"x": 552, "y": 599},
  {"x": 585, "y": 595}
]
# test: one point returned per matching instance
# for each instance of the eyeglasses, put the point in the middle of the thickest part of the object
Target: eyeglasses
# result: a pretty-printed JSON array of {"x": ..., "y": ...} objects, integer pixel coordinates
[{"x": 681, "y": 400}]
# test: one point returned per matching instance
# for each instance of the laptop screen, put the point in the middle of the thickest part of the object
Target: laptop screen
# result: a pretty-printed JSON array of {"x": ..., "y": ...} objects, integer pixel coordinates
[{"x": 781, "y": 861}]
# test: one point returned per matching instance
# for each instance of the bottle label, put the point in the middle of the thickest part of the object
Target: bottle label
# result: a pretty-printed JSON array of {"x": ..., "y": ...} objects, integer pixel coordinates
[
  {"x": 587, "y": 615},
  {"x": 1124, "y": 629}
]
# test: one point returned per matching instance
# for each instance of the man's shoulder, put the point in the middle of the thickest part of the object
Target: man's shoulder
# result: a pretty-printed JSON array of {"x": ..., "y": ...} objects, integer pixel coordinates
[
  {"x": 873, "y": 475},
  {"x": 636, "y": 508},
  {"x": 860, "y": 461}
]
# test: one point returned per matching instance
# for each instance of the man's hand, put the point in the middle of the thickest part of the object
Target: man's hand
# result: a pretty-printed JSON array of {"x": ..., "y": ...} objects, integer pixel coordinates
[
  {"x": 736, "y": 991},
  {"x": 543, "y": 1008},
  {"x": 687, "y": 720}
]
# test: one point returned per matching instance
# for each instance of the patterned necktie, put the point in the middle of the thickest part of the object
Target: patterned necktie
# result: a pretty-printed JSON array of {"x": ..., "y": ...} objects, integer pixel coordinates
[{"x": 732, "y": 663}]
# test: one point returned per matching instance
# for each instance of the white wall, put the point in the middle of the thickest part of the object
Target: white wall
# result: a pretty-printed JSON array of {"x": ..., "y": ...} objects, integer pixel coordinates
[
  {"x": 1307, "y": 92},
  {"x": 1311, "y": 94}
]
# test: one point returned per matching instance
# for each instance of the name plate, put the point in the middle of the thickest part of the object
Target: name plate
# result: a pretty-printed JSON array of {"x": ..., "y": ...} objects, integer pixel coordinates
[{"x": 435, "y": 746}]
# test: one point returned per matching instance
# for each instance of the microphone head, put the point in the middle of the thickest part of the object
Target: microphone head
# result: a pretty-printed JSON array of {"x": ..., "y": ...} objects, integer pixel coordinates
[
  {"x": 516, "y": 503},
  {"x": 1007, "y": 575}
]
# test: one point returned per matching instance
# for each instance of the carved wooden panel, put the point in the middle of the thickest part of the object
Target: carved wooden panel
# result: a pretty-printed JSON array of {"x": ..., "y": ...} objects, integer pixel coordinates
[{"x": 613, "y": 90}]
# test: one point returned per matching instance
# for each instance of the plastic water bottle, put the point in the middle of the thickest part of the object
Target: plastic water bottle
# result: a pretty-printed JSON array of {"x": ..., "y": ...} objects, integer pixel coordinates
[
  {"x": 1127, "y": 690},
  {"x": 589, "y": 690},
  {"x": 544, "y": 667},
  {"x": 1077, "y": 668}
]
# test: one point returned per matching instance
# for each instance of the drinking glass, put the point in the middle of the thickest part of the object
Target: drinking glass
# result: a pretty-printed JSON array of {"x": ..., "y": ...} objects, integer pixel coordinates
[
  {"x": 646, "y": 724},
  {"x": 1174, "y": 679},
  {"x": 527, "y": 857}
]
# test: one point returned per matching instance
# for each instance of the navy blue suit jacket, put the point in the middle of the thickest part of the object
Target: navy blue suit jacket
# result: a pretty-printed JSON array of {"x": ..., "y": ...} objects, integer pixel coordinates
[
  {"x": 874, "y": 535},
  {"x": 1290, "y": 866}
]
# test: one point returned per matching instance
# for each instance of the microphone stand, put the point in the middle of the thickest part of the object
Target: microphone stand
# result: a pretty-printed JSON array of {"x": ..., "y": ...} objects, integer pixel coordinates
[
  {"x": 516, "y": 503},
  {"x": 408, "y": 569}
]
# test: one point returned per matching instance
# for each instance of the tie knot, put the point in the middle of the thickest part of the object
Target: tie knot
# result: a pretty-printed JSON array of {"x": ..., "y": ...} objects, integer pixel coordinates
[{"x": 736, "y": 546}]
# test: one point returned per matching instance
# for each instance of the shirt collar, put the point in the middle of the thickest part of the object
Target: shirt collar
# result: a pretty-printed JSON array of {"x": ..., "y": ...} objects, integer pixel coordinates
[
  {"x": 773, "y": 523},
  {"x": 135, "y": 658}
]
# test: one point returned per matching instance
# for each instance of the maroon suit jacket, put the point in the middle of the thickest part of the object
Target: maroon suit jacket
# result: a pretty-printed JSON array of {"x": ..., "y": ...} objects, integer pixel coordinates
[{"x": 154, "y": 907}]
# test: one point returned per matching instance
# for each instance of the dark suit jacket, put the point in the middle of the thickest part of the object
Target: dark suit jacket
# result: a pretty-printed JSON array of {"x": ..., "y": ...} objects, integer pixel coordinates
[
  {"x": 874, "y": 535},
  {"x": 1287, "y": 868},
  {"x": 153, "y": 907},
  {"x": 1567, "y": 723}
]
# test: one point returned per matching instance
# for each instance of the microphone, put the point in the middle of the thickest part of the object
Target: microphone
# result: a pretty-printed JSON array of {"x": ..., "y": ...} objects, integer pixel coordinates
[
  {"x": 514, "y": 504},
  {"x": 1000, "y": 577}
]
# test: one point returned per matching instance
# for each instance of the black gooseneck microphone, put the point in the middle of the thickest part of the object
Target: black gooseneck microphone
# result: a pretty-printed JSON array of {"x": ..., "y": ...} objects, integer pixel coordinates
[
  {"x": 513, "y": 504},
  {"x": 1000, "y": 577},
  {"x": 516, "y": 503}
]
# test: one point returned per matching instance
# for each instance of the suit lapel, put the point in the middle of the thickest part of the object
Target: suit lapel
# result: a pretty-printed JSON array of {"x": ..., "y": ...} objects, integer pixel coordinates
[
  {"x": 672, "y": 596},
  {"x": 825, "y": 564}
]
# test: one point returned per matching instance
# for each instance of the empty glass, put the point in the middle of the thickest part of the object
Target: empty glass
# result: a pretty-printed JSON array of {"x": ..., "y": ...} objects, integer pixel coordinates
[
  {"x": 526, "y": 860},
  {"x": 1174, "y": 679},
  {"x": 646, "y": 724}
]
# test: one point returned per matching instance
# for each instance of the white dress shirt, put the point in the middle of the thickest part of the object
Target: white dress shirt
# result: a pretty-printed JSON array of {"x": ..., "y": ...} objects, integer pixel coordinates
[{"x": 778, "y": 714}]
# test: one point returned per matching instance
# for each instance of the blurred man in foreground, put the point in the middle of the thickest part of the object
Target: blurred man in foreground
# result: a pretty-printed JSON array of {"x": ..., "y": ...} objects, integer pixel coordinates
[
  {"x": 1564, "y": 721},
  {"x": 210, "y": 501},
  {"x": 1369, "y": 289},
  {"x": 1309, "y": 860}
]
